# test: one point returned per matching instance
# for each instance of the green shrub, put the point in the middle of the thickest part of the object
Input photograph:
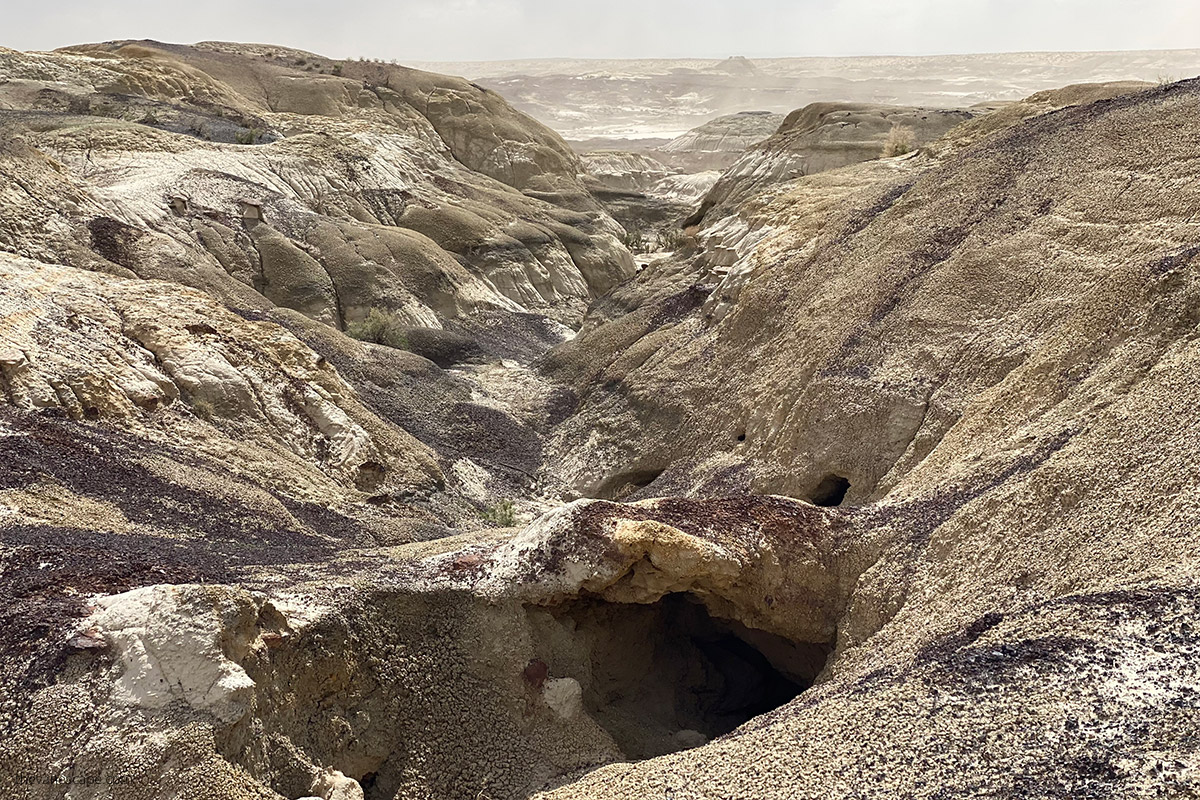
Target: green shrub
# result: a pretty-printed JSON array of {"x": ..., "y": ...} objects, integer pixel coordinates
[
  {"x": 634, "y": 238},
  {"x": 672, "y": 239},
  {"x": 336, "y": 69},
  {"x": 380, "y": 327},
  {"x": 503, "y": 514},
  {"x": 900, "y": 140},
  {"x": 248, "y": 136}
]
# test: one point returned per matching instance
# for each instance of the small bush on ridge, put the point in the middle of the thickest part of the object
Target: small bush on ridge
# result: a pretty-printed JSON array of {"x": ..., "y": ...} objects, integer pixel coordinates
[{"x": 380, "y": 327}]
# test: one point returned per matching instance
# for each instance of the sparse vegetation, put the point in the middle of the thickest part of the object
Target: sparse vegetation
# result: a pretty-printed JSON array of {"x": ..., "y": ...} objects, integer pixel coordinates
[
  {"x": 672, "y": 239},
  {"x": 634, "y": 238},
  {"x": 150, "y": 118},
  {"x": 248, "y": 136},
  {"x": 203, "y": 409},
  {"x": 200, "y": 129},
  {"x": 503, "y": 514},
  {"x": 336, "y": 70},
  {"x": 380, "y": 327},
  {"x": 640, "y": 239},
  {"x": 900, "y": 140}
]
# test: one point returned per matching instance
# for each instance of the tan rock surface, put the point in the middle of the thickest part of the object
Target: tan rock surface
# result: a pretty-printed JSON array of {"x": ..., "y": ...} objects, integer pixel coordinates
[
  {"x": 889, "y": 481},
  {"x": 948, "y": 341},
  {"x": 157, "y": 154},
  {"x": 819, "y": 137},
  {"x": 719, "y": 143}
]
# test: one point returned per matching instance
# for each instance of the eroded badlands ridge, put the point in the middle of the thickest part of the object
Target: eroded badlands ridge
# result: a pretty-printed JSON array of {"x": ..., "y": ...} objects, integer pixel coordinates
[{"x": 886, "y": 480}]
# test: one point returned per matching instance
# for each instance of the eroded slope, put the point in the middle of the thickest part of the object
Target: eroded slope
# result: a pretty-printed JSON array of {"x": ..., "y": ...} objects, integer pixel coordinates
[{"x": 930, "y": 434}]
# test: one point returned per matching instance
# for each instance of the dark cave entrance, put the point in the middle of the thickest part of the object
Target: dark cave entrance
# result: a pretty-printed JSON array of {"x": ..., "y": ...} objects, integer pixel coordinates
[
  {"x": 831, "y": 491},
  {"x": 668, "y": 676},
  {"x": 621, "y": 486}
]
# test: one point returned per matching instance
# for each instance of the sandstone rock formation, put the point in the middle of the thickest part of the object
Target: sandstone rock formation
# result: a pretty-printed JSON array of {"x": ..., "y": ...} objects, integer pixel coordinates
[
  {"x": 719, "y": 143},
  {"x": 624, "y": 171},
  {"x": 942, "y": 340},
  {"x": 886, "y": 487},
  {"x": 230, "y": 169},
  {"x": 653, "y": 200},
  {"x": 819, "y": 137},
  {"x": 647, "y": 197}
]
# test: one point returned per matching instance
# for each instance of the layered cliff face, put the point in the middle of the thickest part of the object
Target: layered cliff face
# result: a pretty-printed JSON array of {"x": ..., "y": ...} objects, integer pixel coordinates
[
  {"x": 819, "y": 137},
  {"x": 272, "y": 177},
  {"x": 719, "y": 143},
  {"x": 625, "y": 171},
  {"x": 659, "y": 185},
  {"x": 889, "y": 490}
]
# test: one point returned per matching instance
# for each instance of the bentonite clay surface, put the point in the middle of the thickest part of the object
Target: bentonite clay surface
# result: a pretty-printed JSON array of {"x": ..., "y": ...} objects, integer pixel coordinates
[{"x": 346, "y": 452}]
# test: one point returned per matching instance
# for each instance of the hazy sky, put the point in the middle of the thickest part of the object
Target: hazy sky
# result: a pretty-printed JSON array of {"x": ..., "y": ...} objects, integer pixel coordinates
[{"x": 462, "y": 30}]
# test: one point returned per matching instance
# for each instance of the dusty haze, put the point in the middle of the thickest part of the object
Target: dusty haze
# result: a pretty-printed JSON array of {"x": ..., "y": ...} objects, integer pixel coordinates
[{"x": 473, "y": 29}]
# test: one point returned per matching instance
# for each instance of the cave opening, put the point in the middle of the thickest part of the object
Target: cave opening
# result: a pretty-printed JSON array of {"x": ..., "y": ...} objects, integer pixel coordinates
[
  {"x": 831, "y": 491},
  {"x": 621, "y": 486},
  {"x": 668, "y": 676}
]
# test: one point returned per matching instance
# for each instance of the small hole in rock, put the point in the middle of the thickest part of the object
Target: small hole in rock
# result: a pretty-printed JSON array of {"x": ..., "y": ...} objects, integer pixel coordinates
[
  {"x": 370, "y": 476},
  {"x": 831, "y": 491},
  {"x": 200, "y": 328},
  {"x": 741, "y": 436}
]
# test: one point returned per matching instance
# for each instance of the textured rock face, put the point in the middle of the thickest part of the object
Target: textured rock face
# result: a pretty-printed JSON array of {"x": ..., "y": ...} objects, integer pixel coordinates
[
  {"x": 171, "y": 365},
  {"x": 392, "y": 188},
  {"x": 646, "y": 196},
  {"x": 659, "y": 187},
  {"x": 819, "y": 137},
  {"x": 890, "y": 490},
  {"x": 630, "y": 172},
  {"x": 689, "y": 188},
  {"x": 172, "y": 643},
  {"x": 979, "y": 435},
  {"x": 186, "y": 233},
  {"x": 719, "y": 143},
  {"x": 1059, "y": 723},
  {"x": 915, "y": 227}
]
